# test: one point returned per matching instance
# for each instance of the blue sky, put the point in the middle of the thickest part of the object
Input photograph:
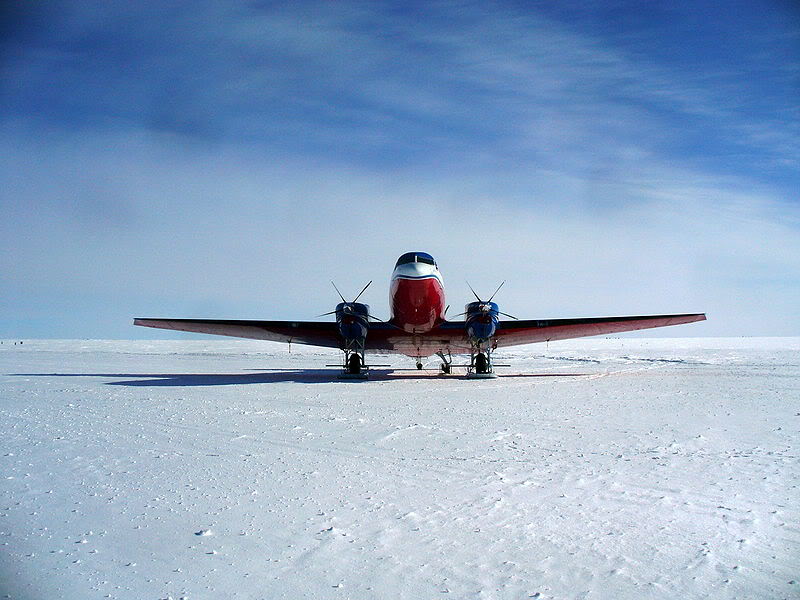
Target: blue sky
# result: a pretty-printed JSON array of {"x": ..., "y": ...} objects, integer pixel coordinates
[{"x": 213, "y": 159}]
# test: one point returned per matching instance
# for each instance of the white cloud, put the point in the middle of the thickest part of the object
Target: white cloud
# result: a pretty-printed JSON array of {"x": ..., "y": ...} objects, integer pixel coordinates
[
  {"x": 265, "y": 152},
  {"x": 231, "y": 232}
]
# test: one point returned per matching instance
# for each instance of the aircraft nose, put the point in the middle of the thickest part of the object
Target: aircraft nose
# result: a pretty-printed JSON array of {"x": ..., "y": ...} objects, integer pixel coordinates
[{"x": 414, "y": 269}]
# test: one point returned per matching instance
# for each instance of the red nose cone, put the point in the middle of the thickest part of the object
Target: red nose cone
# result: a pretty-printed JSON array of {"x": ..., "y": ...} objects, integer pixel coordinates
[{"x": 417, "y": 304}]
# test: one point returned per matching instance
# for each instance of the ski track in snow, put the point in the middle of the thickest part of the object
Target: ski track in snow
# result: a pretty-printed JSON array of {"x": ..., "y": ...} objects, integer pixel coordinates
[{"x": 600, "y": 468}]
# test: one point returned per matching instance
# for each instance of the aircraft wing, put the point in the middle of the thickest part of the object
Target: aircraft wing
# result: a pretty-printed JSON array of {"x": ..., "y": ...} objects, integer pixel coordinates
[
  {"x": 384, "y": 337},
  {"x": 452, "y": 335},
  {"x": 513, "y": 333},
  {"x": 313, "y": 333}
]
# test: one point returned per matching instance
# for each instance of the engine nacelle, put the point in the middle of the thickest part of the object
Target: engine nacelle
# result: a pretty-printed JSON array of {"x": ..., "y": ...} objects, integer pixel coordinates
[
  {"x": 352, "y": 319},
  {"x": 481, "y": 321}
]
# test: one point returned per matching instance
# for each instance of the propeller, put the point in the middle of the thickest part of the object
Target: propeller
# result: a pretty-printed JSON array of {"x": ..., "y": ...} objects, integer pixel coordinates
[
  {"x": 485, "y": 303},
  {"x": 364, "y": 289},
  {"x": 348, "y": 308}
]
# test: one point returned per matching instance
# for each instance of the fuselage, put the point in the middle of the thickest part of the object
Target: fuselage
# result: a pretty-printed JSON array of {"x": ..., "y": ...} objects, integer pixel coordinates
[{"x": 416, "y": 294}]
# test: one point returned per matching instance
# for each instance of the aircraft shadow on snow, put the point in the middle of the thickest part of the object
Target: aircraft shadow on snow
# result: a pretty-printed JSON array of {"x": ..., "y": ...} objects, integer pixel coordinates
[{"x": 269, "y": 376}]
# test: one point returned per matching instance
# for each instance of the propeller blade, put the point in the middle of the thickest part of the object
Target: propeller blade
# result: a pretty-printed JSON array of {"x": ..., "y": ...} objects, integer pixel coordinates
[
  {"x": 508, "y": 315},
  {"x": 386, "y": 322},
  {"x": 362, "y": 291},
  {"x": 333, "y": 312},
  {"x": 495, "y": 292},
  {"x": 337, "y": 291},
  {"x": 473, "y": 292}
]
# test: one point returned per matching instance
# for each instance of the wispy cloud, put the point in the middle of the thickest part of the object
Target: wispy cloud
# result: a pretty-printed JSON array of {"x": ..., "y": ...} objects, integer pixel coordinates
[
  {"x": 363, "y": 81},
  {"x": 232, "y": 158}
]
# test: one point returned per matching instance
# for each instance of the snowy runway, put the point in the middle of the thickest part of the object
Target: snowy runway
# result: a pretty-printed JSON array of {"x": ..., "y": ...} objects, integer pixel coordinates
[{"x": 622, "y": 468}]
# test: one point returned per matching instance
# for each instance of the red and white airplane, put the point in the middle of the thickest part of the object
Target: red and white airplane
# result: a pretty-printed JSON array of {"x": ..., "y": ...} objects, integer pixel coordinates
[{"x": 418, "y": 326}]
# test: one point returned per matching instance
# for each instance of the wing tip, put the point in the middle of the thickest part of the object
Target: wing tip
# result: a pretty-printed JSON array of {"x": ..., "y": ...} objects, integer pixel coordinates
[
  {"x": 143, "y": 322},
  {"x": 685, "y": 318}
]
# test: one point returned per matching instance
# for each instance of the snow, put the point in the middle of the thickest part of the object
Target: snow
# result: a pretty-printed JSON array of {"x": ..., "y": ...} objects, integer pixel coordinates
[{"x": 596, "y": 468}]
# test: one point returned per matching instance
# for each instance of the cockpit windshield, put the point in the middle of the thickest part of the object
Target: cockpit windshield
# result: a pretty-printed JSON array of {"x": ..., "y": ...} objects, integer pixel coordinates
[{"x": 420, "y": 257}]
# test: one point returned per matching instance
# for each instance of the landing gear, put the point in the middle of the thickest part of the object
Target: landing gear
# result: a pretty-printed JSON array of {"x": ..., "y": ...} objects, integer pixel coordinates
[
  {"x": 447, "y": 362},
  {"x": 419, "y": 364},
  {"x": 354, "y": 362},
  {"x": 481, "y": 364}
]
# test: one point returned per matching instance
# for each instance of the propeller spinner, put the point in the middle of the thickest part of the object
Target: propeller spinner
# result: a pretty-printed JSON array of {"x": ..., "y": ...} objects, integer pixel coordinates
[{"x": 482, "y": 318}]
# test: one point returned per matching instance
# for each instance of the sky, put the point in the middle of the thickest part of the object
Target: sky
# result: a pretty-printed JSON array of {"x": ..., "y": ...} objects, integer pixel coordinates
[{"x": 229, "y": 159}]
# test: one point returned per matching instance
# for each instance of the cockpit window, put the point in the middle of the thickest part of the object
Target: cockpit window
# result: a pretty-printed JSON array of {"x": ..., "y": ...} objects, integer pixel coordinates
[{"x": 410, "y": 257}]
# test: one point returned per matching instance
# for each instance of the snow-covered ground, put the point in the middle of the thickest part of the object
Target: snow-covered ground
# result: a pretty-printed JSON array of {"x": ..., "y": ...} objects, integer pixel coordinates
[{"x": 603, "y": 468}]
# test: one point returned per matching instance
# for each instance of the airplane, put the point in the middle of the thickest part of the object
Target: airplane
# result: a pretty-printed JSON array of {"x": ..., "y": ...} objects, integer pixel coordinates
[{"x": 418, "y": 326}]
